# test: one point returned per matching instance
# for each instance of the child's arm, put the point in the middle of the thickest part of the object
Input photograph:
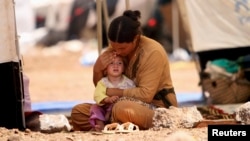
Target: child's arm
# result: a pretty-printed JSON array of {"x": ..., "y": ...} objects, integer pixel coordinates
[{"x": 100, "y": 93}]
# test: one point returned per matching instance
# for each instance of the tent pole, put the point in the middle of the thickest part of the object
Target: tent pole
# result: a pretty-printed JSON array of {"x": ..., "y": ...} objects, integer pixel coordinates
[
  {"x": 20, "y": 67},
  {"x": 127, "y": 4},
  {"x": 99, "y": 24},
  {"x": 175, "y": 23},
  {"x": 106, "y": 18}
]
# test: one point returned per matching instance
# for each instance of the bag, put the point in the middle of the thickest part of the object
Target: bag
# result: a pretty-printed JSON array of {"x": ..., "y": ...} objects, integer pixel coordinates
[
  {"x": 226, "y": 91},
  {"x": 244, "y": 62}
]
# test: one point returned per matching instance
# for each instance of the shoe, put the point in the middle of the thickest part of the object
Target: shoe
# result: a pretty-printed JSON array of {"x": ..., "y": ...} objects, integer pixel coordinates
[
  {"x": 111, "y": 128},
  {"x": 127, "y": 127}
]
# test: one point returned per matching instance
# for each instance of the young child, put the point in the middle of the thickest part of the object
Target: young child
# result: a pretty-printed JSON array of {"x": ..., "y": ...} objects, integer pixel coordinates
[{"x": 101, "y": 111}]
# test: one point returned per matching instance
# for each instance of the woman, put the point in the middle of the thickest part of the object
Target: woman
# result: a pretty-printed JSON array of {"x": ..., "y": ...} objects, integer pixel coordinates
[{"x": 148, "y": 67}]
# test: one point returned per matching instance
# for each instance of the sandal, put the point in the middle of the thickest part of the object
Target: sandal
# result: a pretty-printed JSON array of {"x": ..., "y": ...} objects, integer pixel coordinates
[
  {"x": 111, "y": 128},
  {"x": 127, "y": 127}
]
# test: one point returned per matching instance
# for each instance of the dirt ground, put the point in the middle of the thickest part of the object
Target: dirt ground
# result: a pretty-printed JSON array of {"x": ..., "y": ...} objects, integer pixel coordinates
[
  {"x": 194, "y": 134},
  {"x": 56, "y": 74}
]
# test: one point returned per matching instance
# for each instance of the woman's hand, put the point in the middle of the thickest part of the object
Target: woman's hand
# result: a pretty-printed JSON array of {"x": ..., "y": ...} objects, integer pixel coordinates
[
  {"x": 101, "y": 64},
  {"x": 104, "y": 60},
  {"x": 114, "y": 92}
]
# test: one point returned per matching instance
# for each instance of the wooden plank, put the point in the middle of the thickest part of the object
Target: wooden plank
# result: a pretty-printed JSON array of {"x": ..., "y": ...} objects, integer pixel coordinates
[{"x": 205, "y": 123}]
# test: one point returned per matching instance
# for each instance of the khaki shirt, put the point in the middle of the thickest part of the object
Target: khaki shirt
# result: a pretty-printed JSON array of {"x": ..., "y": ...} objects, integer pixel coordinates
[{"x": 149, "y": 69}]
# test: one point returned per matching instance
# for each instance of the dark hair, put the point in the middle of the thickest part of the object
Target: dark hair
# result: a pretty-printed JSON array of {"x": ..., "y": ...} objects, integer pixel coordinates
[{"x": 124, "y": 28}]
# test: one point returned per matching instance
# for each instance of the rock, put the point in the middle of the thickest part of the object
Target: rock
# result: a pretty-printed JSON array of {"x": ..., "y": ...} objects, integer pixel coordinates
[
  {"x": 54, "y": 123},
  {"x": 243, "y": 113},
  {"x": 174, "y": 117}
]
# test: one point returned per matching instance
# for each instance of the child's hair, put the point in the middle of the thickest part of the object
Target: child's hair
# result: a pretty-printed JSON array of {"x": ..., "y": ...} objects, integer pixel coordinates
[
  {"x": 125, "y": 64},
  {"x": 125, "y": 61}
]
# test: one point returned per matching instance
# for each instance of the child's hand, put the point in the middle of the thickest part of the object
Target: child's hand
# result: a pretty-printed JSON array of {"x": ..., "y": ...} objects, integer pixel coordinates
[{"x": 111, "y": 99}]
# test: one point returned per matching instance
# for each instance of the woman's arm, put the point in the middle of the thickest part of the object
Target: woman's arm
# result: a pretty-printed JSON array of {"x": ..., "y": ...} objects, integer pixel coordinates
[
  {"x": 97, "y": 75},
  {"x": 151, "y": 76},
  {"x": 119, "y": 92},
  {"x": 101, "y": 64},
  {"x": 114, "y": 92}
]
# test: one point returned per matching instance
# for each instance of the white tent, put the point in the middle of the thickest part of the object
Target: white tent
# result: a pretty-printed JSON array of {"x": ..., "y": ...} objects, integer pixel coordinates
[
  {"x": 216, "y": 24},
  {"x": 11, "y": 88},
  {"x": 217, "y": 29}
]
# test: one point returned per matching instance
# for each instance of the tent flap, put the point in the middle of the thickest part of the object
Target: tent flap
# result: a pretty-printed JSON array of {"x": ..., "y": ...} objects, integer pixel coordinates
[
  {"x": 7, "y": 26},
  {"x": 217, "y": 24}
]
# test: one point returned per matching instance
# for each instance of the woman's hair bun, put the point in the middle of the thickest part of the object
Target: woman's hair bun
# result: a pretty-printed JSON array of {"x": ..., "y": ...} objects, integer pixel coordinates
[{"x": 135, "y": 15}]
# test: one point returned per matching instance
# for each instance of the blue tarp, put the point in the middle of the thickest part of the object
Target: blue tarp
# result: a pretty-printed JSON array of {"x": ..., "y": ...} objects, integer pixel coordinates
[{"x": 66, "y": 106}]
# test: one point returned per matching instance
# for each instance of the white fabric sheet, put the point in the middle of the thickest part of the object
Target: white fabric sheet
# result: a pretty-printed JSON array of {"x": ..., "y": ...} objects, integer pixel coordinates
[
  {"x": 218, "y": 24},
  {"x": 8, "y": 50}
]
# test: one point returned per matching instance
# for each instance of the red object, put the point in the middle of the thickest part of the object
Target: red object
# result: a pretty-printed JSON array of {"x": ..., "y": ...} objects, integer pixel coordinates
[
  {"x": 152, "y": 22},
  {"x": 32, "y": 113},
  {"x": 78, "y": 11}
]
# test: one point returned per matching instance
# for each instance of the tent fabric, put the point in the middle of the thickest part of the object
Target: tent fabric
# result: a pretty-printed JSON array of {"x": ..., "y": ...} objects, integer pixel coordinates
[
  {"x": 217, "y": 24},
  {"x": 8, "y": 48}
]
